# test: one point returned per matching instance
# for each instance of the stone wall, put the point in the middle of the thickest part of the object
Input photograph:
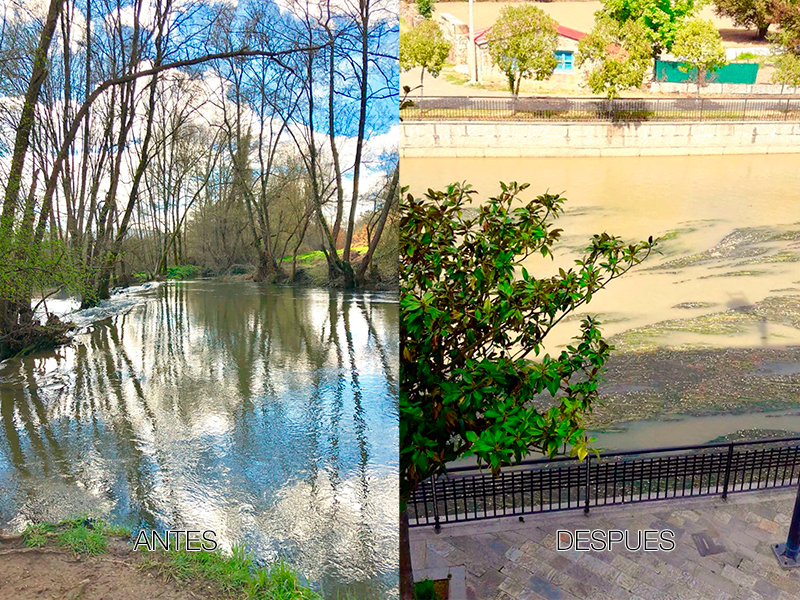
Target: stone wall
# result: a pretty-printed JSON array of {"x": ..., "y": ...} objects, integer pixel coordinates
[
  {"x": 456, "y": 32},
  {"x": 514, "y": 139}
]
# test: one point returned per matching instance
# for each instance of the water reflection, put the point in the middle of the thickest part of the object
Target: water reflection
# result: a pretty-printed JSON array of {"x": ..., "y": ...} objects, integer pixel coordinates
[{"x": 266, "y": 414}]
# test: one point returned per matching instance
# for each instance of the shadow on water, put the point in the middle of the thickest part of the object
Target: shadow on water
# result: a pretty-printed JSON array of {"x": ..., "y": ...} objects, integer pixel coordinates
[{"x": 268, "y": 415}]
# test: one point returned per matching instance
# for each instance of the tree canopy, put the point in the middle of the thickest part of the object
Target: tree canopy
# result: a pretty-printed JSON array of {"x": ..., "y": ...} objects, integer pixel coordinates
[
  {"x": 787, "y": 70},
  {"x": 756, "y": 14},
  {"x": 662, "y": 18},
  {"x": 699, "y": 46},
  {"x": 424, "y": 46},
  {"x": 619, "y": 55},
  {"x": 523, "y": 43},
  {"x": 787, "y": 15},
  {"x": 425, "y": 8}
]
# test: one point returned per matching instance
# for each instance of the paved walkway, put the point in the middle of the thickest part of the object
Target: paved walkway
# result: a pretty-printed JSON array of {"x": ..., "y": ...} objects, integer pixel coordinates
[{"x": 504, "y": 559}]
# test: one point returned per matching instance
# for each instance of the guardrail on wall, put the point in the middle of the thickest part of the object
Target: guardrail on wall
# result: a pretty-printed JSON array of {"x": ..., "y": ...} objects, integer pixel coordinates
[
  {"x": 456, "y": 108},
  {"x": 562, "y": 483}
]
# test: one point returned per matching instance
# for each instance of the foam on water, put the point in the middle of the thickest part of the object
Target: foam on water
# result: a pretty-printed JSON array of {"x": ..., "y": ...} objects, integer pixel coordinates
[{"x": 121, "y": 300}]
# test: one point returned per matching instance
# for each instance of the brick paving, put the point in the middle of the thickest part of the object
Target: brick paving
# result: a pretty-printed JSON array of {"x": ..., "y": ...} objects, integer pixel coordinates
[{"x": 508, "y": 560}]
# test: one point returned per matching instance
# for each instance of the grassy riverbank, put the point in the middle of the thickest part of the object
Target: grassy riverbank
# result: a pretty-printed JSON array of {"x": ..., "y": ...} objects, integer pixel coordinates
[
  {"x": 41, "y": 560},
  {"x": 311, "y": 269}
]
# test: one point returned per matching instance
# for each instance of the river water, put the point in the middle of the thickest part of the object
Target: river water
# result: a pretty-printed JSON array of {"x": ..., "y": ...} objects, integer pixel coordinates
[
  {"x": 709, "y": 327},
  {"x": 266, "y": 414}
]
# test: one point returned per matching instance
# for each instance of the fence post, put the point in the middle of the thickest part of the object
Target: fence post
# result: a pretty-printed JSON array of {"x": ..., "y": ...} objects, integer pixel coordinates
[
  {"x": 727, "y": 472},
  {"x": 588, "y": 480},
  {"x": 744, "y": 110},
  {"x": 437, "y": 526}
]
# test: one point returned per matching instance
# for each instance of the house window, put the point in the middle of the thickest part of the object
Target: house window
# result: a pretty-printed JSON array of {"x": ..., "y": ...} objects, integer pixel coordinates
[{"x": 564, "y": 58}]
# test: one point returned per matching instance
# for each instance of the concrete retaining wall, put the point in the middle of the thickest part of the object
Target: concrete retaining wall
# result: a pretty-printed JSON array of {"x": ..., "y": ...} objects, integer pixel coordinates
[
  {"x": 724, "y": 89},
  {"x": 514, "y": 139}
]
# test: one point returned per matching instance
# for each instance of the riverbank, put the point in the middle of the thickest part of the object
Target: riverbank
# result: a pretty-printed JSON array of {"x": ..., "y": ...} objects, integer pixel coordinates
[
  {"x": 88, "y": 560},
  {"x": 504, "y": 139},
  {"x": 310, "y": 270}
]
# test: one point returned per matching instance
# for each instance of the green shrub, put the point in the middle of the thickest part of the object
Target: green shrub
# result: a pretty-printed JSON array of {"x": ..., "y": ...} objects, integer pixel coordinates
[
  {"x": 183, "y": 272},
  {"x": 425, "y": 8},
  {"x": 240, "y": 269},
  {"x": 425, "y": 590}
]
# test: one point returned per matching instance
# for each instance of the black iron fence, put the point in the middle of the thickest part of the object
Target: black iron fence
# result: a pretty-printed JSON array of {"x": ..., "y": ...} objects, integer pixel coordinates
[
  {"x": 535, "y": 486},
  {"x": 594, "y": 109}
]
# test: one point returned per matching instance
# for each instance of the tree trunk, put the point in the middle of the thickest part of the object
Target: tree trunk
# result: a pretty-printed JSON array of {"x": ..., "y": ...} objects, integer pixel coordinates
[
  {"x": 387, "y": 206},
  {"x": 25, "y": 127},
  {"x": 337, "y": 224},
  {"x": 362, "y": 122},
  {"x": 16, "y": 311}
]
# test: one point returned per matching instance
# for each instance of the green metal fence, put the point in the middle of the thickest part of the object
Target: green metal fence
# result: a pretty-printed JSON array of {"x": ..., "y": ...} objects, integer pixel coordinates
[{"x": 672, "y": 71}]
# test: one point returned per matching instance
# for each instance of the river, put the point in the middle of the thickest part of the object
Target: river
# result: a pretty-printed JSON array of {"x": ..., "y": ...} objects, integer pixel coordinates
[
  {"x": 266, "y": 414},
  {"x": 709, "y": 327}
]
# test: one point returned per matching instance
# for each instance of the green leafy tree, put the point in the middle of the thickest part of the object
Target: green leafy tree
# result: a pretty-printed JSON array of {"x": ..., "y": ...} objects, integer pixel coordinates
[
  {"x": 756, "y": 14},
  {"x": 787, "y": 70},
  {"x": 523, "y": 43},
  {"x": 619, "y": 55},
  {"x": 425, "y": 8},
  {"x": 424, "y": 46},
  {"x": 699, "y": 46},
  {"x": 472, "y": 319},
  {"x": 662, "y": 18},
  {"x": 787, "y": 16}
]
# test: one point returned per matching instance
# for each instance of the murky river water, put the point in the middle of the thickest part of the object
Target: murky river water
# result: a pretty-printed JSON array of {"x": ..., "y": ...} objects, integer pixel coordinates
[
  {"x": 268, "y": 415},
  {"x": 710, "y": 326}
]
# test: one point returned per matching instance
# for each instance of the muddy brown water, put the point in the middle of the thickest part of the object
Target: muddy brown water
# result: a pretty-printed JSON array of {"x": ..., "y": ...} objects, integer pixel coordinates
[
  {"x": 266, "y": 414},
  {"x": 728, "y": 279}
]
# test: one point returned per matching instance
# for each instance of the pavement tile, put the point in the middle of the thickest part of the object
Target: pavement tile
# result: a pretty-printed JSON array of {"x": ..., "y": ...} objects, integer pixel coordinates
[
  {"x": 739, "y": 577},
  {"x": 547, "y": 590},
  {"x": 509, "y": 560}
]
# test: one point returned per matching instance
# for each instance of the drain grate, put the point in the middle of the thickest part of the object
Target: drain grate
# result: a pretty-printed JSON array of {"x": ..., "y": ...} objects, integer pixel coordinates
[{"x": 706, "y": 545}]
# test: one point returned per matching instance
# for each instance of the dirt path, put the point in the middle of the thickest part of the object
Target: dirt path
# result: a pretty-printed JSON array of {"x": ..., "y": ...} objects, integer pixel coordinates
[{"x": 52, "y": 574}]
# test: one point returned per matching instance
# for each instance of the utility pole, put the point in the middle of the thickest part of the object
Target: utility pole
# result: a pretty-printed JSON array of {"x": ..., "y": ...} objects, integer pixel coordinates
[{"x": 471, "y": 48}]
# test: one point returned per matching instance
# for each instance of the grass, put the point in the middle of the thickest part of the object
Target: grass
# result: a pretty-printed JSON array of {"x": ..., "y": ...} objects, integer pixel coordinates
[
  {"x": 237, "y": 575},
  {"x": 428, "y": 589},
  {"x": 183, "y": 272},
  {"x": 316, "y": 255},
  {"x": 81, "y": 535}
]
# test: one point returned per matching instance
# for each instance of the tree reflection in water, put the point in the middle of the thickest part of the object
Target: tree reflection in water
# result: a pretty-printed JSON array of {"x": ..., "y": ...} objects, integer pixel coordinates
[{"x": 266, "y": 414}]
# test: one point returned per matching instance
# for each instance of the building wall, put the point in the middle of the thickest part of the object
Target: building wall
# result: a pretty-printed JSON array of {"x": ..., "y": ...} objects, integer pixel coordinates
[
  {"x": 456, "y": 32},
  {"x": 512, "y": 139}
]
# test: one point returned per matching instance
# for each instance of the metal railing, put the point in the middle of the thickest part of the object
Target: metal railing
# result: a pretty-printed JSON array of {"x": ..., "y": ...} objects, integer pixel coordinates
[
  {"x": 599, "y": 109},
  {"x": 562, "y": 483}
]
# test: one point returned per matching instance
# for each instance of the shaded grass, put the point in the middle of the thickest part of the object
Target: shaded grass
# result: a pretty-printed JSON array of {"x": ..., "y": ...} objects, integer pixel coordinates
[{"x": 415, "y": 113}]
